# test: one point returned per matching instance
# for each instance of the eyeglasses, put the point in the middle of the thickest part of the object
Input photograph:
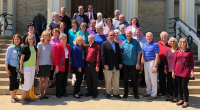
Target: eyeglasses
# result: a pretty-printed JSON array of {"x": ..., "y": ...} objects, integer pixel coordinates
[
  {"x": 172, "y": 41},
  {"x": 99, "y": 28},
  {"x": 111, "y": 35},
  {"x": 182, "y": 42},
  {"x": 91, "y": 38}
]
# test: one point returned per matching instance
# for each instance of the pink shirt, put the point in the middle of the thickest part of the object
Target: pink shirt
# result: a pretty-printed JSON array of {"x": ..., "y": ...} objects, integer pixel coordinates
[
  {"x": 119, "y": 41},
  {"x": 53, "y": 43}
]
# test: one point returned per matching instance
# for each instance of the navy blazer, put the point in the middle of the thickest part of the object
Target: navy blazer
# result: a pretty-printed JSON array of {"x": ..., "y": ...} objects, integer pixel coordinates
[{"x": 77, "y": 60}]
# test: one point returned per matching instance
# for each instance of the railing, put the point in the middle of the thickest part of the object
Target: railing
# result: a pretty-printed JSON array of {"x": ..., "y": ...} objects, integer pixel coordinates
[
  {"x": 181, "y": 29},
  {"x": 4, "y": 23}
]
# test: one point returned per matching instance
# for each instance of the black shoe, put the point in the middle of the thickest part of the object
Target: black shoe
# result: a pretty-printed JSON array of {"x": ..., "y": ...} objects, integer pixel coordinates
[
  {"x": 117, "y": 96},
  {"x": 58, "y": 96},
  {"x": 108, "y": 96},
  {"x": 179, "y": 103},
  {"x": 125, "y": 96},
  {"x": 136, "y": 96},
  {"x": 80, "y": 94},
  {"x": 87, "y": 95},
  {"x": 45, "y": 96},
  {"x": 64, "y": 95},
  {"x": 131, "y": 85},
  {"x": 161, "y": 94},
  {"x": 143, "y": 85},
  {"x": 94, "y": 96},
  {"x": 50, "y": 86},
  {"x": 185, "y": 106},
  {"x": 76, "y": 97}
]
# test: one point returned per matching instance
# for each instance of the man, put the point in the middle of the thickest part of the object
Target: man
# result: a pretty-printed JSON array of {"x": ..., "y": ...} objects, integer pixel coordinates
[
  {"x": 116, "y": 19},
  {"x": 65, "y": 19},
  {"x": 142, "y": 40},
  {"x": 81, "y": 17},
  {"x": 91, "y": 15},
  {"x": 130, "y": 50},
  {"x": 111, "y": 60},
  {"x": 150, "y": 58},
  {"x": 122, "y": 21},
  {"x": 163, "y": 46},
  {"x": 93, "y": 60}
]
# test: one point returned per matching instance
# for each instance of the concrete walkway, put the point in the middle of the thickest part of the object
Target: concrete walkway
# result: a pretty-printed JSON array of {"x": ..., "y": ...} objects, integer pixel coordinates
[{"x": 100, "y": 103}]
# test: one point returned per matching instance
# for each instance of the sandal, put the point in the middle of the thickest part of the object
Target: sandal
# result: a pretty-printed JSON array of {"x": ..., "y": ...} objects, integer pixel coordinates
[
  {"x": 17, "y": 99},
  {"x": 45, "y": 96},
  {"x": 24, "y": 102},
  {"x": 30, "y": 100},
  {"x": 175, "y": 100},
  {"x": 77, "y": 96},
  {"x": 40, "y": 97},
  {"x": 13, "y": 100}
]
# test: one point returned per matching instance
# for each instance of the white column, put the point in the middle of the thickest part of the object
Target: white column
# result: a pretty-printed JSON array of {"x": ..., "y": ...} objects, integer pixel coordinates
[
  {"x": 186, "y": 12},
  {"x": 1, "y": 6},
  {"x": 10, "y": 10},
  {"x": 169, "y": 14},
  {"x": 131, "y": 9},
  {"x": 52, "y": 6}
]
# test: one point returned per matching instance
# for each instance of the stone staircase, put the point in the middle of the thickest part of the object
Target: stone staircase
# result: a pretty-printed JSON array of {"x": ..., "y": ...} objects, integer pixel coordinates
[{"x": 194, "y": 85}]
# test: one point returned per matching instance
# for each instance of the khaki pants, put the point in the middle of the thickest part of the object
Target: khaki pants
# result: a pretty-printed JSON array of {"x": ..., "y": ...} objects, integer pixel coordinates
[{"x": 112, "y": 79}]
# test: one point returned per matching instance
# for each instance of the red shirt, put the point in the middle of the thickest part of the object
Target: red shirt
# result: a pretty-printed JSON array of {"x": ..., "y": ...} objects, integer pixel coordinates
[
  {"x": 181, "y": 69},
  {"x": 93, "y": 53},
  {"x": 162, "y": 50},
  {"x": 59, "y": 53}
]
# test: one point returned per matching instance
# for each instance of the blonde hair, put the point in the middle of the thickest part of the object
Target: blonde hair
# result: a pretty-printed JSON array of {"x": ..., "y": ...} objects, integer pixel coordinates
[
  {"x": 62, "y": 35},
  {"x": 179, "y": 45},
  {"x": 45, "y": 33},
  {"x": 54, "y": 14},
  {"x": 83, "y": 23},
  {"x": 63, "y": 8},
  {"x": 26, "y": 40},
  {"x": 79, "y": 37}
]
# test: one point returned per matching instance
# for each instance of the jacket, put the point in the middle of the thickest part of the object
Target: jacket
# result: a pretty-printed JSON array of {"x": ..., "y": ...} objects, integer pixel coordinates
[
  {"x": 59, "y": 53},
  {"x": 77, "y": 60},
  {"x": 27, "y": 52}
]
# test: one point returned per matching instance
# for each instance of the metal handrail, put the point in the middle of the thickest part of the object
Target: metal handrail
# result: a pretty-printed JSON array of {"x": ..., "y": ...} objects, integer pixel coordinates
[{"x": 177, "y": 18}]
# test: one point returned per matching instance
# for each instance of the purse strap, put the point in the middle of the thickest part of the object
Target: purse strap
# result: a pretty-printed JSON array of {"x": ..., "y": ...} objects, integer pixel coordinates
[{"x": 183, "y": 58}]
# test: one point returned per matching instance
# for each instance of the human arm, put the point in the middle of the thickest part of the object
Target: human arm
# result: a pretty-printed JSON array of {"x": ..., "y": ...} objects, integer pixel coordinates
[
  {"x": 37, "y": 61},
  {"x": 8, "y": 54},
  {"x": 103, "y": 56},
  {"x": 21, "y": 63},
  {"x": 98, "y": 58}
]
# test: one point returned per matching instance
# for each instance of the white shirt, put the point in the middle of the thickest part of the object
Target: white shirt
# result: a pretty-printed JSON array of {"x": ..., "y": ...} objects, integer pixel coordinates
[
  {"x": 101, "y": 23},
  {"x": 66, "y": 53},
  {"x": 133, "y": 31},
  {"x": 92, "y": 15}
]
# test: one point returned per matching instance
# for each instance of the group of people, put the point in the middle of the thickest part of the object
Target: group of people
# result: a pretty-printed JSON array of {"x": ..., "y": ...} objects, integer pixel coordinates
[{"x": 110, "y": 49}]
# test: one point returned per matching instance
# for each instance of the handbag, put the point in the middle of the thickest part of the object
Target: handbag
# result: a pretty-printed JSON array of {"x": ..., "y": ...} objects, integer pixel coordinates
[{"x": 186, "y": 63}]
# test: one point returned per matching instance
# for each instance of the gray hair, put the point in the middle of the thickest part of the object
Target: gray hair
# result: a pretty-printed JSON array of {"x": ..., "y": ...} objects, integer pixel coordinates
[
  {"x": 99, "y": 26},
  {"x": 122, "y": 25},
  {"x": 138, "y": 29},
  {"x": 174, "y": 39},
  {"x": 99, "y": 13},
  {"x": 92, "y": 21},
  {"x": 62, "y": 35},
  {"x": 54, "y": 14},
  {"x": 129, "y": 31},
  {"x": 149, "y": 33},
  {"x": 117, "y": 31},
  {"x": 163, "y": 32},
  {"x": 117, "y": 11},
  {"x": 92, "y": 36}
]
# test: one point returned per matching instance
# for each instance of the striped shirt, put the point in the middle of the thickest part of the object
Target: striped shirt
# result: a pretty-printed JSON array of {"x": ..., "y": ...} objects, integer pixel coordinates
[{"x": 149, "y": 50}]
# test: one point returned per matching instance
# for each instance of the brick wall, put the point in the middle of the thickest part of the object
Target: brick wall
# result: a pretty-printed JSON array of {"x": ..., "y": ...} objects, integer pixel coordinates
[
  {"x": 26, "y": 10},
  {"x": 152, "y": 16}
]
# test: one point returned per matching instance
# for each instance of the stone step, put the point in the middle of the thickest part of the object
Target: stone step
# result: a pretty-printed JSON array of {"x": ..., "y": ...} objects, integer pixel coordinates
[
  {"x": 6, "y": 37},
  {"x": 4, "y": 90},
  {"x": 5, "y": 41},
  {"x": 2, "y": 46},
  {"x": 3, "y": 74},
  {"x": 2, "y": 55},
  {"x": 196, "y": 68},
  {"x": 2, "y": 60},
  {"x": 3, "y": 50},
  {"x": 2, "y": 67}
]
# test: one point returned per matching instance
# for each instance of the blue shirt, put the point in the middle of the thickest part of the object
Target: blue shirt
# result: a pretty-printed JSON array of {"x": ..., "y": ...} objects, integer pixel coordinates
[
  {"x": 81, "y": 18},
  {"x": 71, "y": 38},
  {"x": 122, "y": 37},
  {"x": 129, "y": 50},
  {"x": 99, "y": 39},
  {"x": 117, "y": 26},
  {"x": 77, "y": 57},
  {"x": 142, "y": 40},
  {"x": 113, "y": 45},
  {"x": 53, "y": 25},
  {"x": 11, "y": 56},
  {"x": 149, "y": 50}
]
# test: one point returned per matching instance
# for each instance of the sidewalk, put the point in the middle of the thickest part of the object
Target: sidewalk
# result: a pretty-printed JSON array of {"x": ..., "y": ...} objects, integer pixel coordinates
[{"x": 100, "y": 103}]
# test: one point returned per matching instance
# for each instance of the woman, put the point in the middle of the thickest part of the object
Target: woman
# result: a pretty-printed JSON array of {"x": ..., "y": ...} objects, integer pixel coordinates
[
  {"x": 134, "y": 24},
  {"x": 13, "y": 55},
  {"x": 99, "y": 37},
  {"x": 183, "y": 67},
  {"x": 109, "y": 27},
  {"x": 92, "y": 29},
  {"x": 71, "y": 38},
  {"x": 27, "y": 67},
  {"x": 62, "y": 66},
  {"x": 116, "y": 37},
  {"x": 62, "y": 27},
  {"x": 83, "y": 32},
  {"x": 55, "y": 23},
  {"x": 122, "y": 34},
  {"x": 172, "y": 83},
  {"x": 44, "y": 62},
  {"x": 54, "y": 41},
  {"x": 100, "y": 20},
  {"x": 78, "y": 63},
  {"x": 31, "y": 29}
]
